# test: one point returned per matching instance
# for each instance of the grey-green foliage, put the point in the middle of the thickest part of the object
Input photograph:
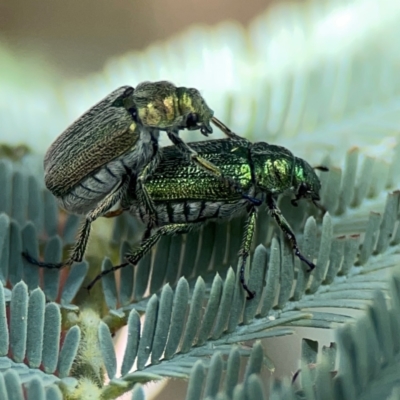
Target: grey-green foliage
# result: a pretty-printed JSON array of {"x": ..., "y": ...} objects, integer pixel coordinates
[
  {"x": 364, "y": 365},
  {"x": 12, "y": 387},
  {"x": 361, "y": 374},
  {"x": 368, "y": 354},
  {"x": 27, "y": 213},
  {"x": 170, "y": 343},
  {"x": 348, "y": 269},
  {"x": 221, "y": 375},
  {"x": 32, "y": 356}
]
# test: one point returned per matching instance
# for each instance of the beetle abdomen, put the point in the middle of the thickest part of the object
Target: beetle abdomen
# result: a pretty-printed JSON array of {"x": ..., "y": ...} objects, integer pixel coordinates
[
  {"x": 86, "y": 194},
  {"x": 189, "y": 211}
]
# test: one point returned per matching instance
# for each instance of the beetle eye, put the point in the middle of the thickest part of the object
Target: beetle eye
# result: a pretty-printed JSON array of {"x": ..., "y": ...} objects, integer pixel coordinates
[
  {"x": 128, "y": 92},
  {"x": 303, "y": 190},
  {"x": 133, "y": 112},
  {"x": 192, "y": 120}
]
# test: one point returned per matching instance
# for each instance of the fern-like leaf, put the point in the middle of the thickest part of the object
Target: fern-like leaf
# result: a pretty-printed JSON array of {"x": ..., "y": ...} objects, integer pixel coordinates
[{"x": 30, "y": 354}]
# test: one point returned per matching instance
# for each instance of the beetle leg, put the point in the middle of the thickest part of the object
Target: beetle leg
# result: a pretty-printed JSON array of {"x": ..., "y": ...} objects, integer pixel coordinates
[
  {"x": 146, "y": 245},
  {"x": 84, "y": 232},
  {"x": 245, "y": 249},
  {"x": 109, "y": 201},
  {"x": 146, "y": 234},
  {"x": 141, "y": 191},
  {"x": 81, "y": 243},
  {"x": 186, "y": 149},
  {"x": 287, "y": 230},
  {"x": 253, "y": 200},
  {"x": 149, "y": 242},
  {"x": 106, "y": 204}
]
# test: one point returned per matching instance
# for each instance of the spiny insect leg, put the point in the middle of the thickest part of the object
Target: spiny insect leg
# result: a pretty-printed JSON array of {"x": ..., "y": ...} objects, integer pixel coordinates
[
  {"x": 253, "y": 200},
  {"x": 144, "y": 198},
  {"x": 146, "y": 233},
  {"x": 81, "y": 243},
  {"x": 141, "y": 191},
  {"x": 42, "y": 264},
  {"x": 84, "y": 232},
  {"x": 106, "y": 204},
  {"x": 245, "y": 249},
  {"x": 146, "y": 245},
  {"x": 109, "y": 201},
  {"x": 77, "y": 252},
  {"x": 287, "y": 230},
  {"x": 103, "y": 273},
  {"x": 186, "y": 149}
]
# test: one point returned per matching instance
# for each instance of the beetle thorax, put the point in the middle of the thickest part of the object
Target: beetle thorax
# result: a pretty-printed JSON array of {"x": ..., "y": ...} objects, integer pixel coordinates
[
  {"x": 160, "y": 112},
  {"x": 273, "y": 174}
]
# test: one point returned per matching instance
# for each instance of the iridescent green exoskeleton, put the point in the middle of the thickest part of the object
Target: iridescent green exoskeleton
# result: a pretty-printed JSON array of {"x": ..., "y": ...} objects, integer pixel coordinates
[
  {"x": 186, "y": 197},
  {"x": 89, "y": 166}
]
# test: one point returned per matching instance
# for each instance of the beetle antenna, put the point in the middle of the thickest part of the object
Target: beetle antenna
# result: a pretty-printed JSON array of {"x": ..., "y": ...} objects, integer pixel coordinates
[
  {"x": 319, "y": 206},
  {"x": 321, "y": 168},
  {"x": 226, "y": 130}
]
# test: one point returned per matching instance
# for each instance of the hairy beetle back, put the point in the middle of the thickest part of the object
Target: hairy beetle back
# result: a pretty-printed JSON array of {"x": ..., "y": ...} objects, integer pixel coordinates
[{"x": 97, "y": 137}]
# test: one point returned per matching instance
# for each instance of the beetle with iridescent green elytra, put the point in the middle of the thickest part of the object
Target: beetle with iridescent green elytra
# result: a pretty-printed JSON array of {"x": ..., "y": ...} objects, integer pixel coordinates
[
  {"x": 185, "y": 197},
  {"x": 88, "y": 167}
]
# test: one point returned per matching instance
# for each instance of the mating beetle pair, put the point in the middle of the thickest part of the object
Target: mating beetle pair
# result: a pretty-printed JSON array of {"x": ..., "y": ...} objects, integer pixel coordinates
[
  {"x": 89, "y": 166},
  {"x": 109, "y": 161}
]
